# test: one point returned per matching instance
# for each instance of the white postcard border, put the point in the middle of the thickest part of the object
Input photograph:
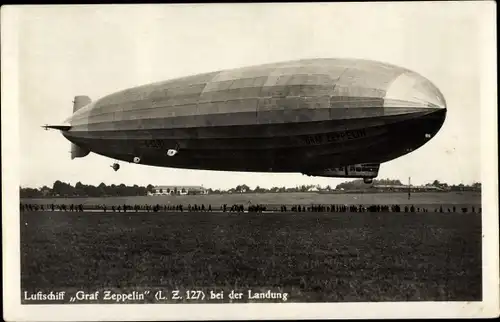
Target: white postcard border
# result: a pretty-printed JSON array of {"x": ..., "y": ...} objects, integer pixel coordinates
[{"x": 14, "y": 311}]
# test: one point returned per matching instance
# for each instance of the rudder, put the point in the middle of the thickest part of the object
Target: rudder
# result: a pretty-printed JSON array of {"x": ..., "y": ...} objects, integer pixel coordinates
[
  {"x": 78, "y": 151},
  {"x": 80, "y": 101}
]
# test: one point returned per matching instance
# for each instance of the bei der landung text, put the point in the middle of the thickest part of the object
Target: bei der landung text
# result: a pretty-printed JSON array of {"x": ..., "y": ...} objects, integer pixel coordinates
[{"x": 154, "y": 295}]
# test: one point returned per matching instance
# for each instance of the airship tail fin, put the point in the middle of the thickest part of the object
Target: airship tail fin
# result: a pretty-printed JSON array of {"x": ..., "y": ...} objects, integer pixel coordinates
[
  {"x": 80, "y": 101},
  {"x": 78, "y": 151}
]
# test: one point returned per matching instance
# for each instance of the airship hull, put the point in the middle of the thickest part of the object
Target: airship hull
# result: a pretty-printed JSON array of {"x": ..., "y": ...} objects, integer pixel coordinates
[{"x": 301, "y": 116}]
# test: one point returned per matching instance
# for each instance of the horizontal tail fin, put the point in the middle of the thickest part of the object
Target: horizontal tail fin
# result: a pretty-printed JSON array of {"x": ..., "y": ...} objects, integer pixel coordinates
[
  {"x": 57, "y": 127},
  {"x": 76, "y": 150}
]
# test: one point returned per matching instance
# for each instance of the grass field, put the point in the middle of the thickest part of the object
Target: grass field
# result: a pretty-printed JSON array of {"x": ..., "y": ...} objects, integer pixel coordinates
[
  {"x": 429, "y": 199},
  {"x": 318, "y": 257}
]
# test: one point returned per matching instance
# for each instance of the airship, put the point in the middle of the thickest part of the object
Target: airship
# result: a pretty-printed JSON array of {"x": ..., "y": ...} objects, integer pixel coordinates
[{"x": 319, "y": 117}]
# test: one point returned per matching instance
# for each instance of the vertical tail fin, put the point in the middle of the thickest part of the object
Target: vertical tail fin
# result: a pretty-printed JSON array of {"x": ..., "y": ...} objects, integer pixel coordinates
[
  {"x": 80, "y": 101},
  {"x": 78, "y": 151}
]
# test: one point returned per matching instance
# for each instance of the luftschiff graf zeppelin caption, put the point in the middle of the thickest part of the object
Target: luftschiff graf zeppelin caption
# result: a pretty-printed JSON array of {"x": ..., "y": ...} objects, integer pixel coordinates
[{"x": 154, "y": 296}]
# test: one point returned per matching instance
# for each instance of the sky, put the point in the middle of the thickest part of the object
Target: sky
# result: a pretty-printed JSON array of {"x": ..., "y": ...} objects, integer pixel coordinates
[{"x": 64, "y": 51}]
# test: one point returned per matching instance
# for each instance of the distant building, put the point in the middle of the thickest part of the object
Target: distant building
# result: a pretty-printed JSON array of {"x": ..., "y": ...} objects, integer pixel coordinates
[
  {"x": 178, "y": 190},
  {"x": 404, "y": 188},
  {"x": 45, "y": 191}
]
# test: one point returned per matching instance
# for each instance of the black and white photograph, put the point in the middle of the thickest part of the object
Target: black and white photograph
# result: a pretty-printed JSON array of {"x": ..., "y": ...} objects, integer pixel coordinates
[{"x": 249, "y": 161}]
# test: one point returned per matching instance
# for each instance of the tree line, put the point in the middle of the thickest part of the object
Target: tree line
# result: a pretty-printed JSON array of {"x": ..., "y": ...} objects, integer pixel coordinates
[{"x": 63, "y": 189}]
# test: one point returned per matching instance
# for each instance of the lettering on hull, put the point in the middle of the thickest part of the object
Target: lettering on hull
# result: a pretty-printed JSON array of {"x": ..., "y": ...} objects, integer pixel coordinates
[
  {"x": 154, "y": 144},
  {"x": 309, "y": 140},
  {"x": 335, "y": 137}
]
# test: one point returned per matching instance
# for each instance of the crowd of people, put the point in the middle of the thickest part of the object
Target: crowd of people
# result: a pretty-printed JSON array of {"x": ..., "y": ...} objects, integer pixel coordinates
[
  {"x": 51, "y": 207},
  {"x": 376, "y": 208},
  {"x": 239, "y": 208}
]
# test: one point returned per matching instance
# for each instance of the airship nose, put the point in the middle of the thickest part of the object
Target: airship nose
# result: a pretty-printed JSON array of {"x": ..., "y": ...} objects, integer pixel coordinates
[{"x": 412, "y": 90}]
